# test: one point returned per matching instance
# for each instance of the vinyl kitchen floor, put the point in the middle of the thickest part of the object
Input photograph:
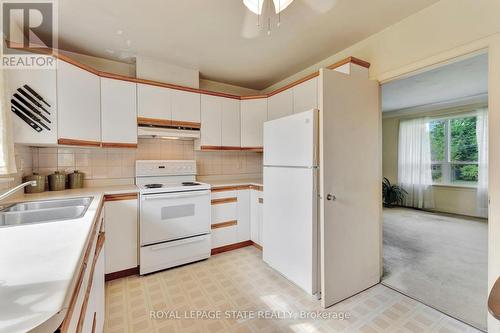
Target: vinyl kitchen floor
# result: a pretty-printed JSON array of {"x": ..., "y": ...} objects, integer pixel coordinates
[{"x": 240, "y": 280}]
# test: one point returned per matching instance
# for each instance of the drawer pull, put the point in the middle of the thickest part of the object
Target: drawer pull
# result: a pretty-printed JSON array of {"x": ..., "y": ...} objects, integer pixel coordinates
[
  {"x": 261, "y": 200},
  {"x": 224, "y": 224},
  {"x": 224, "y": 200}
]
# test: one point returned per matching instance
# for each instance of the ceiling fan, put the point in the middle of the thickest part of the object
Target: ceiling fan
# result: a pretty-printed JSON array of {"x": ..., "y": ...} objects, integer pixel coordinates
[{"x": 266, "y": 15}]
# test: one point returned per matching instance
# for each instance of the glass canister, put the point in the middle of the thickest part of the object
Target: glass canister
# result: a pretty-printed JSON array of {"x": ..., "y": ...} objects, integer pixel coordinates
[
  {"x": 57, "y": 181},
  {"x": 40, "y": 183},
  {"x": 76, "y": 179}
]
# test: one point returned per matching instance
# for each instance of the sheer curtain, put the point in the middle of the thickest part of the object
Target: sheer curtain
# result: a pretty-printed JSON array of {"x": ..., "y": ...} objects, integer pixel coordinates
[
  {"x": 482, "y": 158},
  {"x": 414, "y": 162},
  {"x": 7, "y": 156}
]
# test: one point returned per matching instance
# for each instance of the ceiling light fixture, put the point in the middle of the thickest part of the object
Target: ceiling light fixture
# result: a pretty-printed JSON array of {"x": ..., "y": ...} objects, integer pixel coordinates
[{"x": 256, "y": 6}]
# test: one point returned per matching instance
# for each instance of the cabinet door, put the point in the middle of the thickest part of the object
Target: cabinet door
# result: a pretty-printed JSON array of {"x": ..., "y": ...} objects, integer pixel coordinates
[
  {"x": 243, "y": 215},
  {"x": 253, "y": 116},
  {"x": 280, "y": 105},
  {"x": 231, "y": 133},
  {"x": 154, "y": 102},
  {"x": 118, "y": 112},
  {"x": 121, "y": 235},
  {"x": 78, "y": 102},
  {"x": 43, "y": 81},
  {"x": 254, "y": 217},
  {"x": 211, "y": 112},
  {"x": 95, "y": 313},
  {"x": 305, "y": 96},
  {"x": 186, "y": 107}
]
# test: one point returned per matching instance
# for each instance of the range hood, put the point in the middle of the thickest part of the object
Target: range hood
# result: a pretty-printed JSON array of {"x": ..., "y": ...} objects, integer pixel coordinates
[{"x": 167, "y": 133}]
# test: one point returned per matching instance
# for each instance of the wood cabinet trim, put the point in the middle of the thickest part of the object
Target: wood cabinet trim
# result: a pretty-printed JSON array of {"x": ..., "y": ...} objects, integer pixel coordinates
[
  {"x": 256, "y": 187},
  {"x": 224, "y": 224},
  {"x": 74, "y": 142},
  {"x": 231, "y": 247},
  {"x": 81, "y": 274},
  {"x": 118, "y": 145},
  {"x": 119, "y": 197},
  {"x": 494, "y": 300},
  {"x": 254, "y": 149},
  {"x": 121, "y": 274},
  {"x": 224, "y": 201},
  {"x": 188, "y": 124},
  {"x": 225, "y": 148},
  {"x": 153, "y": 121},
  {"x": 237, "y": 187}
]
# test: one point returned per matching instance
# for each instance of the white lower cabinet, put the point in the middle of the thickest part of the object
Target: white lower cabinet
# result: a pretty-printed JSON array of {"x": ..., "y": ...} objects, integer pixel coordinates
[
  {"x": 256, "y": 202},
  {"x": 121, "y": 235}
]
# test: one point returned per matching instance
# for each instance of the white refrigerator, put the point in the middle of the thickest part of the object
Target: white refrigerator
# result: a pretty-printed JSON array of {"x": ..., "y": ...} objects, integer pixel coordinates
[{"x": 290, "y": 216}]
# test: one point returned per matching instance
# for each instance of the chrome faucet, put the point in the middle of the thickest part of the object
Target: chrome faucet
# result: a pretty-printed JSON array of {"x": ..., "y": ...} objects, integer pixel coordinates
[{"x": 17, "y": 188}]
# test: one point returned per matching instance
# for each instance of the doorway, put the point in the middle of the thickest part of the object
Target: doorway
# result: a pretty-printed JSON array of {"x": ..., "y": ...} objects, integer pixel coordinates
[{"x": 435, "y": 148}]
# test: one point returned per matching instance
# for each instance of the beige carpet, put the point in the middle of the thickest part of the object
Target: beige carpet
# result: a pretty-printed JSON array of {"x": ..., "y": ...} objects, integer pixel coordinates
[
  {"x": 240, "y": 281},
  {"x": 438, "y": 259}
]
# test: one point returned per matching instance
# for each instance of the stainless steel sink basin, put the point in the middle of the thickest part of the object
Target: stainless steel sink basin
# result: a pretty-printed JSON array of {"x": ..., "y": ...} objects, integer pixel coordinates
[
  {"x": 24, "y": 206},
  {"x": 44, "y": 211}
]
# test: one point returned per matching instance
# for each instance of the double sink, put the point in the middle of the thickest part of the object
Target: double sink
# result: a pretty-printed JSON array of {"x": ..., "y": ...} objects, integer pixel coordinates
[{"x": 44, "y": 211}]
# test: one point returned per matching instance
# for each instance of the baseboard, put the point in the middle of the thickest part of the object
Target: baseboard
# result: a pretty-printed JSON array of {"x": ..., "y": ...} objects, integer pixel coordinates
[
  {"x": 231, "y": 247},
  {"x": 122, "y": 274},
  {"x": 257, "y": 246}
]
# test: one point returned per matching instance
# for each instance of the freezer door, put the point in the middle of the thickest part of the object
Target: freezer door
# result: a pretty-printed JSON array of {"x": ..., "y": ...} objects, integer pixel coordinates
[
  {"x": 292, "y": 140},
  {"x": 290, "y": 224}
]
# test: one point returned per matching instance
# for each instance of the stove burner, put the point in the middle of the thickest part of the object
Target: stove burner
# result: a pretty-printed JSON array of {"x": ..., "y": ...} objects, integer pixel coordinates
[
  {"x": 190, "y": 183},
  {"x": 153, "y": 185}
]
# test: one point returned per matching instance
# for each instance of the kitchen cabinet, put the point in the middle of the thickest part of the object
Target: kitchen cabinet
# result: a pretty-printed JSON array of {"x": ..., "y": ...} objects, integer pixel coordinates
[
  {"x": 86, "y": 309},
  {"x": 280, "y": 105},
  {"x": 211, "y": 121},
  {"x": 118, "y": 113},
  {"x": 224, "y": 218},
  {"x": 121, "y": 234},
  {"x": 305, "y": 95},
  {"x": 154, "y": 102},
  {"x": 256, "y": 219},
  {"x": 243, "y": 215},
  {"x": 79, "y": 105},
  {"x": 253, "y": 116},
  {"x": 43, "y": 81},
  {"x": 185, "y": 108}
]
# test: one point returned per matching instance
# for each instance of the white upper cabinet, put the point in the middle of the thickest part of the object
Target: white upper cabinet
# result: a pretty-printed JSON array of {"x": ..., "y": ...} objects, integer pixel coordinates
[
  {"x": 43, "y": 82},
  {"x": 154, "y": 102},
  {"x": 280, "y": 105},
  {"x": 305, "y": 95},
  {"x": 185, "y": 106},
  {"x": 211, "y": 121},
  {"x": 118, "y": 112},
  {"x": 231, "y": 132},
  {"x": 253, "y": 116},
  {"x": 79, "y": 104}
]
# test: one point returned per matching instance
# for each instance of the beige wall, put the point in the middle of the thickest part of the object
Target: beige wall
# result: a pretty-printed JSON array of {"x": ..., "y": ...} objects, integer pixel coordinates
[
  {"x": 448, "y": 199},
  {"x": 227, "y": 88}
]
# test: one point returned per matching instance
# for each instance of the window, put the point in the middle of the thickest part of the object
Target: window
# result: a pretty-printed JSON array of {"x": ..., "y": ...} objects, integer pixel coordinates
[{"x": 454, "y": 150}]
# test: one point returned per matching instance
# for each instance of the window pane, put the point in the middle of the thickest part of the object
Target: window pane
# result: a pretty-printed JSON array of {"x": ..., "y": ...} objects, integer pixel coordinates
[
  {"x": 464, "y": 173},
  {"x": 437, "y": 129},
  {"x": 437, "y": 173},
  {"x": 463, "y": 145}
]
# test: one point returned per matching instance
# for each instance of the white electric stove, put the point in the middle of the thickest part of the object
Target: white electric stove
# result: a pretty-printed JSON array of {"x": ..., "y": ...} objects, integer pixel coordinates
[{"x": 174, "y": 214}]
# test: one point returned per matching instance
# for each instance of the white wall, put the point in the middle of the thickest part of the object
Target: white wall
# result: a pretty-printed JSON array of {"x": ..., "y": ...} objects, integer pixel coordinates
[{"x": 156, "y": 70}]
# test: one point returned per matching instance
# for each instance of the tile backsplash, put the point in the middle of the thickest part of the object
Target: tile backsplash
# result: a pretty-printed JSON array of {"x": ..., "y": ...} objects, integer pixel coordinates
[{"x": 119, "y": 163}]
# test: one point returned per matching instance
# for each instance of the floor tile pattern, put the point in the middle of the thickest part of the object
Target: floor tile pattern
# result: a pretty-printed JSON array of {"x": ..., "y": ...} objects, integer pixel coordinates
[{"x": 240, "y": 280}]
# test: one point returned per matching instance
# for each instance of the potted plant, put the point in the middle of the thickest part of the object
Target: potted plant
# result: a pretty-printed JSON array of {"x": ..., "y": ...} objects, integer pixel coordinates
[{"x": 392, "y": 194}]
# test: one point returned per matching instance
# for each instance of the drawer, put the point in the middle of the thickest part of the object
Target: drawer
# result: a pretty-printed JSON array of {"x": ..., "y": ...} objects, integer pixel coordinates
[
  {"x": 224, "y": 194},
  {"x": 224, "y": 236},
  {"x": 174, "y": 253},
  {"x": 224, "y": 212}
]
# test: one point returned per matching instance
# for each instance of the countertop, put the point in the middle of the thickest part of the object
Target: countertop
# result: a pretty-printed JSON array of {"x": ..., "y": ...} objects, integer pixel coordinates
[{"x": 39, "y": 263}]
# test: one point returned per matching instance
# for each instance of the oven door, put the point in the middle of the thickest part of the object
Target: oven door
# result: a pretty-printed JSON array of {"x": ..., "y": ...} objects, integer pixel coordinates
[{"x": 169, "y": 216}]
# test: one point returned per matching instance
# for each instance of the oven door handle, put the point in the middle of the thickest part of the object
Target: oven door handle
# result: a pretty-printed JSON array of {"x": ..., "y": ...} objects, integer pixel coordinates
[
  {"x": 177, "y": 243},
  {"x": 174, "y": 195}
]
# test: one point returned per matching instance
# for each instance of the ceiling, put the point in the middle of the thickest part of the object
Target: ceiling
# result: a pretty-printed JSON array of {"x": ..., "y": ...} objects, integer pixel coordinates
[
  {"x": 458, "y": 80},
  {"x": 220, "y": 38}
]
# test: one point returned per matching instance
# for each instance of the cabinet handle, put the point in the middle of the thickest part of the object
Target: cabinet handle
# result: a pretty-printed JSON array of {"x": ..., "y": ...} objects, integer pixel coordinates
[{"x": 261, "y": 200}]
